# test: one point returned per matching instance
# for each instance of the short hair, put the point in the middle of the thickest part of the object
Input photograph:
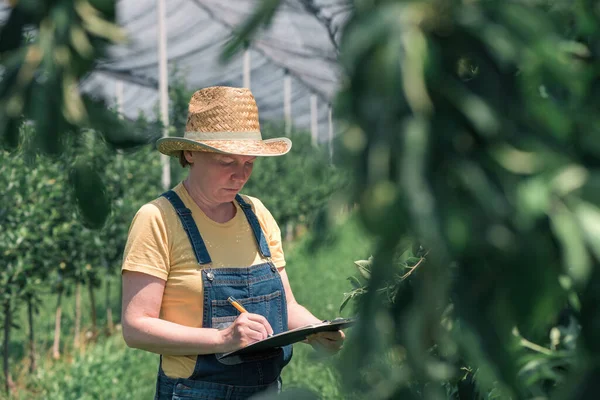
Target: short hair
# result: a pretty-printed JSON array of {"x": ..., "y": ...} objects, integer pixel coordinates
[{"x": 182, "y": 160}]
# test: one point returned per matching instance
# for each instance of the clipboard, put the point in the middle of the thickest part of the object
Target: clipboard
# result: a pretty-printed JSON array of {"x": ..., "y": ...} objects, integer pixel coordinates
[{"x": 291, "y": 336}]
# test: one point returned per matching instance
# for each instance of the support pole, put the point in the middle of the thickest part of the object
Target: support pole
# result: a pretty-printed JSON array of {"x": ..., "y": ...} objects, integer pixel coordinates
[
  {"x": 287, "y": 102},
  {"x": 119, "y": 97},
  {"x": 314, "y": 121},
  {"x": 247, "y": 67},
  {"x": 330, "y": 115},
  {"x": 163, "y": 88}
]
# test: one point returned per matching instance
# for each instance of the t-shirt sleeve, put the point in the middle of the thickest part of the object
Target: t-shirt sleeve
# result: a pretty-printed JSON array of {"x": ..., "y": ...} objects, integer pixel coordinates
[
  {"x": 272, "y": 232},
  {"x": 147, "y": 248}
]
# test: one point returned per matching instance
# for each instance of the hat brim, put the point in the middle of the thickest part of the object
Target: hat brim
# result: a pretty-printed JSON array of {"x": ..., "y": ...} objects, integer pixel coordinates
[{"x": 172, "y": 146}]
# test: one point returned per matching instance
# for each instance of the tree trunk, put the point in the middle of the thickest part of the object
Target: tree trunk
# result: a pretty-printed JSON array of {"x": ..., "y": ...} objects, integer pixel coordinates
[
  {"x": 32, "y": 355},
  {"x": 109, "y": 318},
  {"x": 93, "y": 308},
  {"x": 57, "y": 321},
  {"x": 77, "y": 335},
  {"x": 8, "y": 382},
  {"x": 289, "y": 231}
]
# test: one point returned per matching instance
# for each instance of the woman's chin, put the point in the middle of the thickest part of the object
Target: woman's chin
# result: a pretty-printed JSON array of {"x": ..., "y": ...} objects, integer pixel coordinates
[{"x": 228, "y": 195}]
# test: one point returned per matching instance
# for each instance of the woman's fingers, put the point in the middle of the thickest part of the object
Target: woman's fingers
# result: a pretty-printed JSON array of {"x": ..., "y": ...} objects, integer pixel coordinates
[
  {"x": 246, "y": 329},
  {"x": 257, "y": 330},
  {"x": 261, "y": 320},
  {"x": 253, "y": 327},
  {"x": 329, "y": 341},
  {"x": 334, "y": 335}
]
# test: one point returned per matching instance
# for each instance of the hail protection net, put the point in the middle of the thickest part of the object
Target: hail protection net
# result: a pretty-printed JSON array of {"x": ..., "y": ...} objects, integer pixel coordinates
[{"x": 301, "y": 42}]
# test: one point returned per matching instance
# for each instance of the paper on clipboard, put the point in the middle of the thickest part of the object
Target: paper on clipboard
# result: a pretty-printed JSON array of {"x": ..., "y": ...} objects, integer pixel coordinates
[{"x": 291, "y": 336}]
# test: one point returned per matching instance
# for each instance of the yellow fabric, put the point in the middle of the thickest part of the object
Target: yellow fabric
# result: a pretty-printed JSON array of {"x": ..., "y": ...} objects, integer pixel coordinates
[{"x": 159, "y": 246}]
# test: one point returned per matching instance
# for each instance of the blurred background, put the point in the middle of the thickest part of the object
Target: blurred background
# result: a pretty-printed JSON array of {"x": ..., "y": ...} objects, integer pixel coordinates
[{"x": 443, "y": 185}]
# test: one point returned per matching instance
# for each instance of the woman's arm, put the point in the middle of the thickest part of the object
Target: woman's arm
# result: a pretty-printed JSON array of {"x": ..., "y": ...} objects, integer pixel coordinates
[
  {"x": 299, "y": 316},
  {"x": 142, "y": 328}
]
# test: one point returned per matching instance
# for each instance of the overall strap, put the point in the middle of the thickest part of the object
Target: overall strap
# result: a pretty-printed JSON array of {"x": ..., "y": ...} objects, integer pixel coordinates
[
  {"x": 255, "y": 225},
  {"x": 185, "y": 215}
]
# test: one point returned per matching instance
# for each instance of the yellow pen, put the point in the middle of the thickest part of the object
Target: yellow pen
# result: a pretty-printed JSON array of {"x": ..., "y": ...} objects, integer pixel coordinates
[{"x": 236, "y": 304}]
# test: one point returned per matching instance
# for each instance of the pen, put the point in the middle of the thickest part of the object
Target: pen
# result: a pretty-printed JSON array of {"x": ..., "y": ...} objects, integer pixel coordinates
[
  {"x": 239, "y": 307},
  {"x": 236, "y": 304}
]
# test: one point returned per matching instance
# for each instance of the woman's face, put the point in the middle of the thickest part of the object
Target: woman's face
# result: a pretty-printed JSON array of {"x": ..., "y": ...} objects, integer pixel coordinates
[{"x": 219, "y": 176}]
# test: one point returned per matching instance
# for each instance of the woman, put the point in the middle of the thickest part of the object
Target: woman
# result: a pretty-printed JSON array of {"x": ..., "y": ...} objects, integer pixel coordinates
[{"x": 192, "y": 248}]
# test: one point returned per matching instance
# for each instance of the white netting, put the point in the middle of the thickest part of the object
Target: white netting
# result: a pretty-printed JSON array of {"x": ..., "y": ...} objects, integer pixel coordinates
[{"x": 301, "y": 40}]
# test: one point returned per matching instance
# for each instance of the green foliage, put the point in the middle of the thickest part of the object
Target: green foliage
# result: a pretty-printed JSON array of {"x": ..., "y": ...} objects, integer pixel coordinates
[
  {"x": 407, "y": 260},
  {"x": 295, "y": 187},
  {"x": 90, "y": 190},
  {"x": 488, "y": 169},
  {"x": 540, "y": 367},
  {"x": 46, "y": 244},
  {"x": 109, "y": 370},
  {"x": 50, "y": 239},
  {"x": 42, "y": 71},
  {"x": 261, "y": 16},
  {"x": 471, "y": 127},
  {"x": 41, "y": 74}
]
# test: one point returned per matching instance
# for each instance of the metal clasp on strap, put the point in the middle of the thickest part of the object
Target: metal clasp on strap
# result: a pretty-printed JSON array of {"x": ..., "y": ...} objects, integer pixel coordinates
[
  {"x": 183, "y": 211},
  {"x": 273, "y": 267},
  {"x": 208, "y": 271}
]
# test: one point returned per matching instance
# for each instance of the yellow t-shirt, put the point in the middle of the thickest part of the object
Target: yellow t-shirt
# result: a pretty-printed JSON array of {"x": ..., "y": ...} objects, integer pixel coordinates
[{"x": 159, "y": 246}]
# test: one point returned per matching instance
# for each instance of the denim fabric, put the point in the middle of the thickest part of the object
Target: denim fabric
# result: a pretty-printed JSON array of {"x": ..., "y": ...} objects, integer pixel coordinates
[
  {"x": 185, "y": 215},
  {"x": 260, "y": 290},
  {"x": 263, "y": 247},
  {"x": 176, "y": 389}
]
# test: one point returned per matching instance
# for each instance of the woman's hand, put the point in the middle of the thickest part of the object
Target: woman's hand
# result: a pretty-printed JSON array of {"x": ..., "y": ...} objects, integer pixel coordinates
[
  {"x": 329, "y": 342},
  {"x": 246, "y": 329}
]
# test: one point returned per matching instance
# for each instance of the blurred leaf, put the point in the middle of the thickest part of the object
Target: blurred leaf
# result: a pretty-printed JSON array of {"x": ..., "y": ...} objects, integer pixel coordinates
[
  {"x": 355, "y": 282},
  {"x": 50, "y": 126},
  {"x": 119, "y": 134},
  {"x": 90, "y": 193},
  {"x": 261, "y": 16},
  {"x": 364, "y": 267},
  {"x": 576, "y": 259},
  {"x": 589, "y": 220}
]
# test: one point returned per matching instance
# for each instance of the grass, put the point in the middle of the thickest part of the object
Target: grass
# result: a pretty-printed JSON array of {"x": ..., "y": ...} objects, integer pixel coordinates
[
  {"x": 318, "y": 279},
  {"x": 107, "y": 370},
  {"x": 110, "y": 370}
]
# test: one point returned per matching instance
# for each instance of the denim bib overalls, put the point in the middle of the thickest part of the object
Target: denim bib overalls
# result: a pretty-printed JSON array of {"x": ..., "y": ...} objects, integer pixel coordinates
[{"x": 260, "y": 290}]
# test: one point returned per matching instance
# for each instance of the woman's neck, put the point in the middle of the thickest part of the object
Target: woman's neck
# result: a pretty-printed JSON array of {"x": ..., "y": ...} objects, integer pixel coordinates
[{"x": 218, "y": 212}]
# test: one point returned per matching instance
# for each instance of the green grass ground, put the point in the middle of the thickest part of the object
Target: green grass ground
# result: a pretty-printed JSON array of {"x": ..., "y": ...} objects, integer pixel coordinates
[{"x": 110, "y": 370}]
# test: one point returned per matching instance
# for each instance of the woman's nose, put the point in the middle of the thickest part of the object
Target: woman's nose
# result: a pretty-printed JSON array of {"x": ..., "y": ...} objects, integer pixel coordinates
[{"x": 241, "y": 174}]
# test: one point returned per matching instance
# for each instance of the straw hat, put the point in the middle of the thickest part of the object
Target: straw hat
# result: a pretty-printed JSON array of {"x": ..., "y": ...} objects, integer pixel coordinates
[{"x": 223, "y": 120}]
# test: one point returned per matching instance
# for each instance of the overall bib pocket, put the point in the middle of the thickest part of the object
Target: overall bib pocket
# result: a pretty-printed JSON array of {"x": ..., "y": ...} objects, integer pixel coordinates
[{"x": 269, "y": 306}]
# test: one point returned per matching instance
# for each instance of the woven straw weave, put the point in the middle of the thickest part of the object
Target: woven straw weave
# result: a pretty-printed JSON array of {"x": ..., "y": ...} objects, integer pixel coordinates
[
  {"x": 222, "y": 109},
  {"x": 232, "y": 115}
]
